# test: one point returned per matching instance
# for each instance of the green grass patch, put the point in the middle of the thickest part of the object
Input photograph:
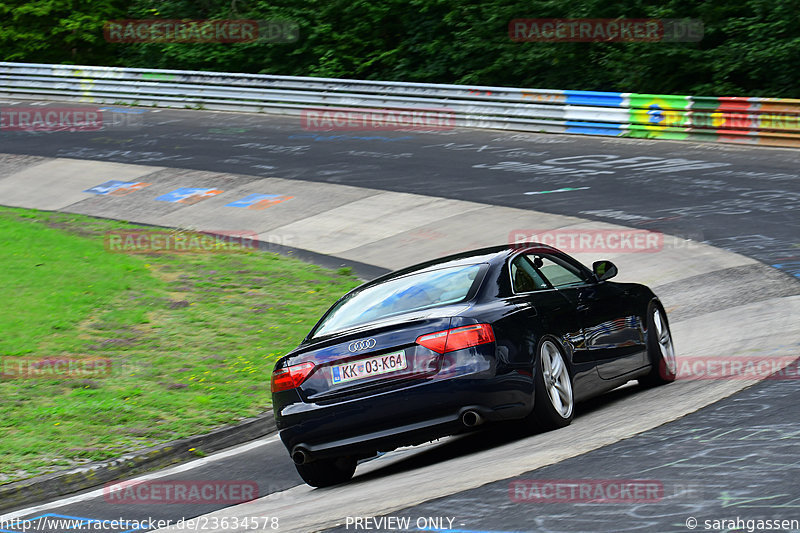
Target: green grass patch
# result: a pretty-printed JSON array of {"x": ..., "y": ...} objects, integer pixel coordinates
[{"x": 191, "y": 338}]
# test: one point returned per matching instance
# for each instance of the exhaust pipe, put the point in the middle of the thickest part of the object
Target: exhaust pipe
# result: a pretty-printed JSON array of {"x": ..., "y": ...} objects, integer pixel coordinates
[
  {"x": 300, "y": 456},
  {"x": 471, "y": 419}
]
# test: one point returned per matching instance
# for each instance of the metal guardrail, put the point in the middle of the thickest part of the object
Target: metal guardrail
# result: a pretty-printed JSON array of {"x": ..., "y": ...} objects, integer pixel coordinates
[{"x": 765, "y": 121}]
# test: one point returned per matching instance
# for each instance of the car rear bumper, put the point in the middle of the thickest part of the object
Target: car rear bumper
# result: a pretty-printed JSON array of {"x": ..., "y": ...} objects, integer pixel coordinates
[{"x": 412, "y": 415}]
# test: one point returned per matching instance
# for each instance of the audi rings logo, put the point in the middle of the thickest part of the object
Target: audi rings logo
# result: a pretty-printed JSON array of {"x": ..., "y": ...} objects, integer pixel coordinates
[{"x": 364, "y": 344}]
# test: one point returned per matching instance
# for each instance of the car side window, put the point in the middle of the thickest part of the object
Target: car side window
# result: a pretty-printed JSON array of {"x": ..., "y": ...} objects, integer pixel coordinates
[
  {"x": 524, "y": 275},
  {"x": 560, "y": 273}
]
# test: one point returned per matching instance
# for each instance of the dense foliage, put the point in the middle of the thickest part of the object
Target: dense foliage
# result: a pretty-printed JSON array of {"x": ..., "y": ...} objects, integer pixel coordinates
[{"x": 749, "y": 48}]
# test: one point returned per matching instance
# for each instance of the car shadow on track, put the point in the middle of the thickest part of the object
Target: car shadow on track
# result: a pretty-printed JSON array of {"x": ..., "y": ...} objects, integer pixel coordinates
[{"x": 486, "y": 437}]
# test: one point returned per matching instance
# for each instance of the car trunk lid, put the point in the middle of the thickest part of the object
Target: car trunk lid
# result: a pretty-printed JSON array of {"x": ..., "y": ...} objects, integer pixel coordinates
[{"x": 379, "y": 356}]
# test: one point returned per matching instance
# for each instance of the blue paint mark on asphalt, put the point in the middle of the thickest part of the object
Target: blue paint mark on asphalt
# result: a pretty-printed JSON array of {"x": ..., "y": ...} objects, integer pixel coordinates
[
  {"x": 251, "y": 199},
  {"x": 182, "y": 194},
  {"x": 111, "y": 186},
  {"x": 792, "y": 268}
]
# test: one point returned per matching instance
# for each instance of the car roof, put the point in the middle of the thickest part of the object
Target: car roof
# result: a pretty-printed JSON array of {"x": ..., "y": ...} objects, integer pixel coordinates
[{"x": 491, "y": 255}]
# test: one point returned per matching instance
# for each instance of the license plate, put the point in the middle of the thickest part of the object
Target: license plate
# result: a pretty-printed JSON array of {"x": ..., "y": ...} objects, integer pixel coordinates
[{"x": 374, "y": 366}]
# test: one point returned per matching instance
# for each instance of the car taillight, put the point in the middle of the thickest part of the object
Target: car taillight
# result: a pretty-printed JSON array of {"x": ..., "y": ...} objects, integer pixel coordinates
[
  {"x": 291, "y": 377},
  {"x": 457, "y": 338}
]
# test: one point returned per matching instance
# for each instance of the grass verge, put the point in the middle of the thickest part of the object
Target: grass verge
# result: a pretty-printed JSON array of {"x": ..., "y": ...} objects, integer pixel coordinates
[{"x": 191, "y": 338}]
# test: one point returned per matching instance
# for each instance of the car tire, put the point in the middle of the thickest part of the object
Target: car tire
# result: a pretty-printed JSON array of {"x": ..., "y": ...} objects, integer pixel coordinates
[
  {"x": 660, "y": 349},
  {"x": 554, "y": 398},
  {"x": 327, "y": 472}
]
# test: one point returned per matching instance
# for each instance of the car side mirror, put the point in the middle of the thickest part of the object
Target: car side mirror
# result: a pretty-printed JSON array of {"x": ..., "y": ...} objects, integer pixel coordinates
[{"x": 604, "y": 270}]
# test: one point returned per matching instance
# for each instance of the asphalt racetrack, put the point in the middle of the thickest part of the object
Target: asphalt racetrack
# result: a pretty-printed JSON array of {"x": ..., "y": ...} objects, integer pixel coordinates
[{"x": 736, "y": 458}]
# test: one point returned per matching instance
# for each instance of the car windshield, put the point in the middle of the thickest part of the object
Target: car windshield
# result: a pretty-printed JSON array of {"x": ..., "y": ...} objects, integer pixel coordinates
[{"x": 400, "y": 295}]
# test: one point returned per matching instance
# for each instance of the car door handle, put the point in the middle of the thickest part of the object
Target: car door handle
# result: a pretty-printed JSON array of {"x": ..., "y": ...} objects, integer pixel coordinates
[{"x": 526, "y": 306}]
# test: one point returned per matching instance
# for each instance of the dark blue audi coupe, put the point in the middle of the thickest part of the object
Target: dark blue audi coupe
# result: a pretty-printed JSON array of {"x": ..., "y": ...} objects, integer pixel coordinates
[{"x": 502, "y": 333}]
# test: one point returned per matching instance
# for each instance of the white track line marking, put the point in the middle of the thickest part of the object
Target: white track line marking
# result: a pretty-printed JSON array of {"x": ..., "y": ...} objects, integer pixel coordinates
[{"x": 155, "y": 475}]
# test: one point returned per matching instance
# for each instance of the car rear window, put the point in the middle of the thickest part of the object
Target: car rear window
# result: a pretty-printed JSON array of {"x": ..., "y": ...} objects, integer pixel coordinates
[{"x": 400, "y": 295}]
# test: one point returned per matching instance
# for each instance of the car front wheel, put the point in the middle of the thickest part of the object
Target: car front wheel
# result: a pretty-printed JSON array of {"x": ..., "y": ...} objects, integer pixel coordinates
[
  {"x": 554, "y": 401},
  {"x": 660, "y": 349}
]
